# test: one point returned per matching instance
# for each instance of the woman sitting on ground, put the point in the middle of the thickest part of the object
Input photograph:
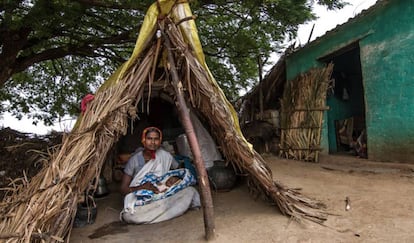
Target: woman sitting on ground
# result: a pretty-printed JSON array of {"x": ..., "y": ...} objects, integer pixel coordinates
[{"x": 146, "y": 200}]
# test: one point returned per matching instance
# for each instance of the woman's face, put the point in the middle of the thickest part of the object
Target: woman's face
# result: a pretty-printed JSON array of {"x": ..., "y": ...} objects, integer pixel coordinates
[{"x": 152, "y": 140}]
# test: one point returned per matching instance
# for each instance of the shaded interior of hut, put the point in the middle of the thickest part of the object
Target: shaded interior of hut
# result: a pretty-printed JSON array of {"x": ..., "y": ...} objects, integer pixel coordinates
[
  {"x": 346, "y": 117},
  {"x": 162, "y": 113}
]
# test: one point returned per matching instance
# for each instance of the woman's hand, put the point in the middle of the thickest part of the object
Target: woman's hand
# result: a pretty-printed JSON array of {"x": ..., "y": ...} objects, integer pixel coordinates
[
  {"x": 151, "y": 187},
  {"x": 146, "y": 186},
  {"x": 171, "y": 181}
]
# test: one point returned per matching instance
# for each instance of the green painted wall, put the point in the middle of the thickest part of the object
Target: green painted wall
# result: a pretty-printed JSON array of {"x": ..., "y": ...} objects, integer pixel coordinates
[{"x": 386, "y": 40}]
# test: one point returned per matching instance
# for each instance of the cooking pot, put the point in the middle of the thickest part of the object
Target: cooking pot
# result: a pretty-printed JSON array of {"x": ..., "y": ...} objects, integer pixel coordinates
[
  {"x": 102, "y": 188},
  {"x": 222, "y": 177}
]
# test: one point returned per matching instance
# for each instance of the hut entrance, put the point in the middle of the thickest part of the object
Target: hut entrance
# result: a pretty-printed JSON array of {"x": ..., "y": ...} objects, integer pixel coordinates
[
  {"x": 302, "y": 108},
  {"x": 346, "y": 116},
  {"x": 162, "y": 113}
]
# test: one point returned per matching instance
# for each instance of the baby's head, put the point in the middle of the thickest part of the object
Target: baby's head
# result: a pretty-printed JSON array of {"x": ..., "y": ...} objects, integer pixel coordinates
[{"x": 172, "y": 180}]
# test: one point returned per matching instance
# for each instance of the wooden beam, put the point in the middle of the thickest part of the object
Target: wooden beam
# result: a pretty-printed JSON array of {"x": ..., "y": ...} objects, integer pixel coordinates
[{"x": 206, "y": 199}]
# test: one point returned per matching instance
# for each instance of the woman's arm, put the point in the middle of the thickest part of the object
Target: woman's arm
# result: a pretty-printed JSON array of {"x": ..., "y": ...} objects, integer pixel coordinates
[
  {"x": 126, "y": 180},
  {"x": 125, "y": 189}
]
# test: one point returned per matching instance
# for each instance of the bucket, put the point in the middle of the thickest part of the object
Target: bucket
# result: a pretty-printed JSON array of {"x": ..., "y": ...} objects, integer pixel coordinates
[{"x": 85, "y": 214}]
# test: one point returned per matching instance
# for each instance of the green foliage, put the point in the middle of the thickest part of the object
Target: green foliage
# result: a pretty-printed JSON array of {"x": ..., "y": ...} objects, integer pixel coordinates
[
  {"x": 59, "y": 50},
  {"x": 235, "y": 35},
  {"x": 67, "y": 83}
]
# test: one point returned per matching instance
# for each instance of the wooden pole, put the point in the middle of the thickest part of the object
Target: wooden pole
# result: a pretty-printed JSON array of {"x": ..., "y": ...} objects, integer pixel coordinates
[
  {"x": 260, "y": 67},
  {"x": 310, "y": 35},
  {"x": 206, "y": 199}
]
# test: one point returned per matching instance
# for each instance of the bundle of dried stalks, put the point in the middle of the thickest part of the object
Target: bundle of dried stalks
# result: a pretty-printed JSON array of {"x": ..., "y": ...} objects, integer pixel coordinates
[
  {"x": 210, "y": 101},
  {"x": 44, "y": 208},
  {"x": 303, "y": 105}
]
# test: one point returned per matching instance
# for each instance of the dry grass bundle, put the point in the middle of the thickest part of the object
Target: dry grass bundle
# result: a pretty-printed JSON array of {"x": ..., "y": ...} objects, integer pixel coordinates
[
  {"x": 302, "y": 106},
  {"x": 44, "y": 208}
]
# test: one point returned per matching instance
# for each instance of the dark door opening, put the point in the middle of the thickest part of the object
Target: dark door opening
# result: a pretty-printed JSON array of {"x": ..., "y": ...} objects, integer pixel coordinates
[{"x": 346, "y": 116}]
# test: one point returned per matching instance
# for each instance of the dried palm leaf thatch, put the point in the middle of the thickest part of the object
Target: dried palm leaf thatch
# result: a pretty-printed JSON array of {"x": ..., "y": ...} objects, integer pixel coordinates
[
  {"x": 44, "y": 208},
  {"x": 211, "y": 102},
  {"x": 302, "y": 106}
]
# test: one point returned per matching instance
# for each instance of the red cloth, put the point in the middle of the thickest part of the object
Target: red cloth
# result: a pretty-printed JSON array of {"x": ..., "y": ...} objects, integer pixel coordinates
[
  {"x": 88, "y": 98},
  {"x": 151, "y": 152}
]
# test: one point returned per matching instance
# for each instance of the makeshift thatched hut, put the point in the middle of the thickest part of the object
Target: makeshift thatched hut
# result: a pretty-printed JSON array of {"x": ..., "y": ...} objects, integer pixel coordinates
[{"x": 168, "y": 55}]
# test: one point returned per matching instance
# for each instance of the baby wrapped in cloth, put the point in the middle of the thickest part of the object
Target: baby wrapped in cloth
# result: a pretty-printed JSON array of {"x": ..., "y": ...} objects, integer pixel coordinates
[
  {"x": 169, "y": 184},
  {"x": 146, "y": 207}
]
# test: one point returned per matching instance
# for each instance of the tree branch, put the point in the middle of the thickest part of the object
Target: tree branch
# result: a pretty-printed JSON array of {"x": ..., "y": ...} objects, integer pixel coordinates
[
  {"x": 136, "y": 5},
  {"x": 85, "y": 49}
]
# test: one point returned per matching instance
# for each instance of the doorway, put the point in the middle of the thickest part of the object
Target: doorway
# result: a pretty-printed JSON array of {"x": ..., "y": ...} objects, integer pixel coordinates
[{"x": 346, "y": 116}]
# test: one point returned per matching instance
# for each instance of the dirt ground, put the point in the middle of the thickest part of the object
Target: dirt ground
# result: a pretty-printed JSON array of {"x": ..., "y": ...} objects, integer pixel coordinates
[{"x": 381, "y": 199}]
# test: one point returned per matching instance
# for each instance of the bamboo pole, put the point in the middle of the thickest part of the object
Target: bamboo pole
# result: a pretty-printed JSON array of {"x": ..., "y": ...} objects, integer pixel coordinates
[{"x": 183, "y": 110}]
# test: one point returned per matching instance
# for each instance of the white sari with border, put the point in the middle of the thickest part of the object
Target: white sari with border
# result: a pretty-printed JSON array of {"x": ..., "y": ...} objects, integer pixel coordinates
[{"x": 160, "y": 210}]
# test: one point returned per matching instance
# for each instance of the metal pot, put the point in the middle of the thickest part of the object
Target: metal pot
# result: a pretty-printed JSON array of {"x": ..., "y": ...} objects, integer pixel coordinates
[
  {"x": 102, "y": 188},
  {"x": 222, "y": 177}
]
